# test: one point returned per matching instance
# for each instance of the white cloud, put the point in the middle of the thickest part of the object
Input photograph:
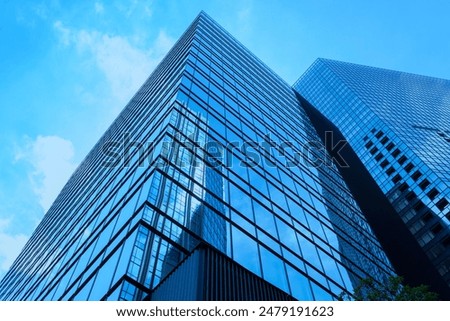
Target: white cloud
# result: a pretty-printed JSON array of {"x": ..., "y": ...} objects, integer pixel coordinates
[
  {"x": 163, "y": 43},
  {"x": 64, "y": 33},
  {"x": 125, "y": 65},
  {"x": 98, "y": 6},
  {"x": 244, "y": 16},
  {"x": 10, "y": 246},
  {"x": 52, "y": 160},
  {"x": 134, "y": 8},
  {"x": 41, "y": 10}
]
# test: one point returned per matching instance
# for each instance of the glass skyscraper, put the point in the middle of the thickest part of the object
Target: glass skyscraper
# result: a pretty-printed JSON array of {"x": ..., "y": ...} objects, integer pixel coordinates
[
  {"x": 212, "y": 184},
  {"x": 398, "y": 125}
]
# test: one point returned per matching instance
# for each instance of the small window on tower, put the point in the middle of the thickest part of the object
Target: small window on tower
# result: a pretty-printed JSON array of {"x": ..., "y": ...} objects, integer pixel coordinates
[
  {"x": 446, "y": 241},
  {"x": 396, "y": 152},
  {"x": 390, "y": 146},
  {"x": 419, "y": 206},
  {"x": 402, "y": 160},
  {"x": 384, "y": 140},
  {"x": 403, "y": 187},
  {"x": 416, "y": 175},
  {"x": 390, "y": 171},
  {"x": 442, "y": 204},
  {"x": 379, "y": 157},
  {"x": 396, "y": 179},
  {"x": 379, "y": 134},
  {"x": 427, "y": 217},
  {"x": 411, "y": 196},
  {"x": 436, "y": 229},
  {"x": 409, "y": 167},
  {"x": 433, "y": 193},
  {"x": 424, "y": 184}
]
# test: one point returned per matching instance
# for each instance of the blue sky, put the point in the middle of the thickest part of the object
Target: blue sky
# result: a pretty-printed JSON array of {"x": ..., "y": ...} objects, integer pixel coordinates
[{"x": 67, "y": 68}]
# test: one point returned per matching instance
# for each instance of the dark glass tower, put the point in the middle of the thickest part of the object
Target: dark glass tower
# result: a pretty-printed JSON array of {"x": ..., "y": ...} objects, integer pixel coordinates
[
  {"x": 211, "y": 184},
  {"x": 398, "y": 125}
]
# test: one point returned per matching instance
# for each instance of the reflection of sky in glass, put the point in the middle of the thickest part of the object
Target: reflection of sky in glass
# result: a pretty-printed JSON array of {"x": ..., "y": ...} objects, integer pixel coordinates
[
  {"x": 266, "y": 194},
  {"x": 279, "y": 208}
]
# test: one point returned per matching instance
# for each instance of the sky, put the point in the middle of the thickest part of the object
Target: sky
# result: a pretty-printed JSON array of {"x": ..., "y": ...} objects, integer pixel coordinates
[{"x": 67, "y": 68}]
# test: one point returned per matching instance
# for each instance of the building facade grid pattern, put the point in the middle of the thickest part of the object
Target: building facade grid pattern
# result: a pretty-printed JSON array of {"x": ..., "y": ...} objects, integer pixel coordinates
[{"x": 397, "y": 123}]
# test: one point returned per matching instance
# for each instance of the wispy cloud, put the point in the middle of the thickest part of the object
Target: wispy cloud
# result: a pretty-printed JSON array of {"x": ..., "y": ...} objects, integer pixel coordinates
[
  {"x": 51, "y": 158},
  {"x": 132, "y": 7},
  {"x": 124, "y": 64},
  {"x": 244, "y": 17},
  {"x": 244, "y": 14},
  {"x": 63, "y": 32},
  {"x": 98, "y": 6}
]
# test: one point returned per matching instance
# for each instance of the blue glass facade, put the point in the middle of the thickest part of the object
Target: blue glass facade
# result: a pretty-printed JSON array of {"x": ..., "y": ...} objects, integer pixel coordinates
[
  {"x": 398, "y": 125},
  {"x": 211, "y": 155}
]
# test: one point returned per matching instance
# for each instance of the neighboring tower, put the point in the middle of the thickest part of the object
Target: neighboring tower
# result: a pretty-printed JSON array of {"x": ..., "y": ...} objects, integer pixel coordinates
[
  {"x": 398, "y": 124},
  {"x": 217, "y": 198}
]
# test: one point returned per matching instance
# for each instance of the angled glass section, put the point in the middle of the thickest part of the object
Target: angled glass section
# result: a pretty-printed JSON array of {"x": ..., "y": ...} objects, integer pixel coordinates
[{"x": 398, "y": 124}]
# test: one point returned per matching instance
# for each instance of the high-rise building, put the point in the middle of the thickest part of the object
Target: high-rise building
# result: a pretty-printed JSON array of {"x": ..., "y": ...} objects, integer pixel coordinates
[
  {"x": 212, "y": 184},
  {"x": 398, "y": 125}
]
